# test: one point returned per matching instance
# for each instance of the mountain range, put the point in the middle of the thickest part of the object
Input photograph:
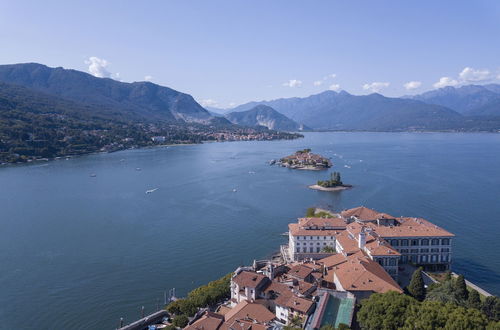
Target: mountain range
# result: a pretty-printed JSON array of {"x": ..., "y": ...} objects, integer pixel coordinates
[
  {"x": 139, "y": 100},
  {"x": 467, "y": 108}
]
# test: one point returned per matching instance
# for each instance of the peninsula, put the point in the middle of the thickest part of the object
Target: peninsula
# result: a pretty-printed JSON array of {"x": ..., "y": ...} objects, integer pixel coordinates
[
  {"x": 305, "y": 160},
  {"x": 333, "y": 184}
]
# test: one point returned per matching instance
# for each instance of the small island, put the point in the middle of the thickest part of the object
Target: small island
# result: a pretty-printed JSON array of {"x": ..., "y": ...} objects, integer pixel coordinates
[
  {"x": 305, "y": 160},
  {"x": 333, "y": 184}
]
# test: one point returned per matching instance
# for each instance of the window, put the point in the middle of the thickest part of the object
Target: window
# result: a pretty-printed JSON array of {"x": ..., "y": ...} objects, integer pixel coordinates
[
  {"x": 304, "y": 250},
  {"x": 414, "y": 259},
  {"x": 404, "y": 251},
  {"x": 424, "y": 250},
  {"x": 435, "y": 241},
  {"x": 434, "y": 250},
  {"x": 445, "y": 241},
  {"x": 433, "y": 258},
  {"x": 425, "y": 242},
  {"x": 317, "y": 243},
  {"x": 445, "y": 250},
  {"x": 298, "y": 243},
  {"x": 318, "y": 249},
  {"x": 404, "y": 242},
  {"x": 414, "y": 242},
  {"x": 392, "y": 261},
  {"x": 311, "y": 249},
  {"x": 424, "y": 258},
  {"x": 298, "y": 250},
  {"x": 394, "y": 242},
  {"x": 414, "y": 251}
]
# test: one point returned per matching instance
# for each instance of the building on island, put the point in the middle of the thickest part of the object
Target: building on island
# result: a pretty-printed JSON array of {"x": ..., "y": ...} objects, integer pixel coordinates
[
  {"x": 329, "y": 265},
  {"x": 386, "y": 239},
  {"x": 310, "y": 236}
]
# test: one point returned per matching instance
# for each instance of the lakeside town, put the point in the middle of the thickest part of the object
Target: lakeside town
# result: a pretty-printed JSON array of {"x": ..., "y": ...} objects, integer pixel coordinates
[{"x": 357, "y": 269}]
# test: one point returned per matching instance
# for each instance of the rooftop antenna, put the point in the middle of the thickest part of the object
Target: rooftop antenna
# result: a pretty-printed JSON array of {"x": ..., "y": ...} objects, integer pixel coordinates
[{"x": 121, "y": 322}]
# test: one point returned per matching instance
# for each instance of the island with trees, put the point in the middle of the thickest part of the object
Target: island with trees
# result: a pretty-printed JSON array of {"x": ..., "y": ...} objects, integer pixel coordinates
[
  {"x": 333, "y": 184},
  {"x": 305, "y": 160}
]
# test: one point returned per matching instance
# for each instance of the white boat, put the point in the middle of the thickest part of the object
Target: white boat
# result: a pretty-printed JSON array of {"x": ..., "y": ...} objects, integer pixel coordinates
[
  {"x": 137, "y": 168},
  {"x": 234, "y": 190},
  {"x": 347, "y": 166},
  {"x": 151, "y": 191},
  {"x": 93, "y": 175}
]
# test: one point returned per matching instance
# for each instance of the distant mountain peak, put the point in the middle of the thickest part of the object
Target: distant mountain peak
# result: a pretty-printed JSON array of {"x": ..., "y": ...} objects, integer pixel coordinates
[{"x": 263, "y": 115}]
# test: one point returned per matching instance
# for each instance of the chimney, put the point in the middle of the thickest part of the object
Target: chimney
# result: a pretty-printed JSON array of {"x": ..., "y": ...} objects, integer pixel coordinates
[{"x": 362, "y": 239}]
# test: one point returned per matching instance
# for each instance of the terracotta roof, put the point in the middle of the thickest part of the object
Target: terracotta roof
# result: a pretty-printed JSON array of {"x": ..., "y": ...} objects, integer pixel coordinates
[
  {"x": 299, "y": 304},
  {"x": 249, "y": 311},
  {"x": 334, "y": 260},
  {"x": 365, "y": 214},
  {"x": 243, "y": 325},
  {"x": 249, "y": 279},
  {"x": 348, "y": 242},
  {"x": 360, "y": 273},
  {"x": 380, "y": 247},
  {"x": 296, "y": 230},
  {"x": 304, "y": 287},
  {"x": 300, "y": 271},
  {"x": 209, "y": 321},
  {"x": 336, "y": 223},
  {"x": 411, "y": 227}
]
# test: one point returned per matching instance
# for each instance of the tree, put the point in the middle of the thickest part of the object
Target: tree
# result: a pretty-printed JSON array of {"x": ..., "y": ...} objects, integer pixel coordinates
[
  {"x": 474, "y": 300},
  {"x": 180, "y": 321},
  {"x": 343, "y": 326},
  {"x": 310, "y": 212},
  {"x": 437, "y": 315},
  {"x": 417, "y": 286},
  {"x": 328, "y": 249},
  {"x": 461, "y": 288},
  {"x": 491, "y": 307},
  {"x": 327, "y": 327},
  {"x": 444, "y": 292},
  {"x": 385, "y": 310}
]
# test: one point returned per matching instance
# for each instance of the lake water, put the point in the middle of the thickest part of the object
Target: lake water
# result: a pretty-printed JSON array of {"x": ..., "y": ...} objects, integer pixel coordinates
[{"x": 79, "y": 252}]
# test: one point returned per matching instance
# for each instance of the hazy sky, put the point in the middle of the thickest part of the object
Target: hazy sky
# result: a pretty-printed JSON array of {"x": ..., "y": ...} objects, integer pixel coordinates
[{"x": 230, "y": 52}]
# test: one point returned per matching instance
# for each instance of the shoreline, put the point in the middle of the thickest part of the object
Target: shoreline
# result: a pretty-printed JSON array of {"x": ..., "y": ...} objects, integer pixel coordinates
[{"x": 338, "y": 188}]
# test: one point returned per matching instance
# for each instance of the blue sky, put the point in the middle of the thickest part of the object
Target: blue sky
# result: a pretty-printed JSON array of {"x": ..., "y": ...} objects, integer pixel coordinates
[{"x": 229, "y": 52}]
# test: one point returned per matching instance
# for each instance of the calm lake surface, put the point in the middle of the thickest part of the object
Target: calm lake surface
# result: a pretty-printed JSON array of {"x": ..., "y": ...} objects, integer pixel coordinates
[{"x": 79, "y": 252}]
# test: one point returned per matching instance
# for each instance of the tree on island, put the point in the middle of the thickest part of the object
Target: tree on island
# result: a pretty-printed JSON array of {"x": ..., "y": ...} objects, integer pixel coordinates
[
  {"x": 311, "y": 211},
  {"x": 461, "y": 288},
  {"x": 417, "y": 286},
  {"x": 384, "y": 310},
  {"x": 334, "y": 181},
  {"x": 474, "y": 300},
  {"x": 491, "y": 307}
]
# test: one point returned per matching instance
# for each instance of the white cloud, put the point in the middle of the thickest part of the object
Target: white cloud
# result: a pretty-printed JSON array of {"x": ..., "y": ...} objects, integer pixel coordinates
[
  {"x": 97, "y": 67},
  {"x": 334, "y": 87},
  {"x": 469, "y": 74},
  {"x": 232, "y": 104},
  {"x": 412, "y": 85},
  {"x": 318, "y": 83},
  {"x": 445, "y": 81},
  {"x": 148, "y": 78},
  {"x": 209, "y": 103},
  {"x": 330, "y": 76},
  {"x": 293, "y": 83},
  {"x": 375, "y": 86}
]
